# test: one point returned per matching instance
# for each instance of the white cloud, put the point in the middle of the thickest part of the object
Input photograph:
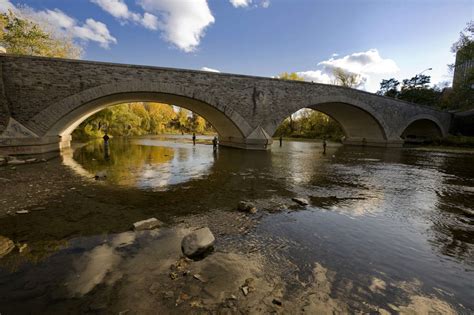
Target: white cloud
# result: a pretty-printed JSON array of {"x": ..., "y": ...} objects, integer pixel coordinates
[
  {"x": 367, "y": 65},
  {"x": 6, "y": 5},
  {"x": 240, "y": 3},
  {"x": 368, "y": 62},
  {"x": 315, "y": 76},
  {"x": 246, "y": 3},
  {"x": 209, "y": 69},
  {"x": 119, "y": 10},
  {"x": 94, "y": 31},
  {"x": 59, "y": 22},
  {"x": 183, "y": 22}
]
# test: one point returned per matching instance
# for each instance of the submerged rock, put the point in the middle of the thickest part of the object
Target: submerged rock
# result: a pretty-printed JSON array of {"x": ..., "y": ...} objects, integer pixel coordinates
[
  {"x": 100, "y": 175},
  {"x": 300, "y": 201},
  {"x": 6, "y": 246},
  {"x": 246, "y": 206},
  {"x": 198, "y": 243},
  {"x": 148, "y": 224}
]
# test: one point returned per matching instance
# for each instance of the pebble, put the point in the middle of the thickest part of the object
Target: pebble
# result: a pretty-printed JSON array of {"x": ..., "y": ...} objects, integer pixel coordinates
[{"x": 22, "y": 212}]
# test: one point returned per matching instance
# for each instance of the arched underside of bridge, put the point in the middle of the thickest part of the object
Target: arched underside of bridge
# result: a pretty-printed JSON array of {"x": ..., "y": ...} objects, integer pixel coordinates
[
  {"x": 51, "y": 129},
  {"x": 360, "y": 127},
  {"x": 224, "y": 125},
  {"x": 422, "y": 128}
]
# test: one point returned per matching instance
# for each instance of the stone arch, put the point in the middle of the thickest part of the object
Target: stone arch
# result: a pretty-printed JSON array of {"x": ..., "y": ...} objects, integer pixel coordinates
[
  {"x": 424, "y": 126},
  {"x": 359, "y": 122},
  {"x": 61, "y": 118}
]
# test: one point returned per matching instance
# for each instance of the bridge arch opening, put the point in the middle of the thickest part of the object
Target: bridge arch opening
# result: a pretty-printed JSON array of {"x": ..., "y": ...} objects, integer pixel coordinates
[
  {"x": 225, "y": 126},
  {"x": 348, "y": 122},
  {"x": 421, "y": 130}
]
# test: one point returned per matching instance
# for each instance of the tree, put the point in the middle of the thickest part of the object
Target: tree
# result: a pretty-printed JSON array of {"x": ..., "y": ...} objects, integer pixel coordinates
[
  {"x": 24, "y": 37},
  {"x": 290, "y": 76},
  {"x": 464, "y": 46},
  {"x": 418, "y": 81},
  {"x": 346, "y": 78},
  {"x": 389, "y": 88},
  {"x": 182, "y": 119}
]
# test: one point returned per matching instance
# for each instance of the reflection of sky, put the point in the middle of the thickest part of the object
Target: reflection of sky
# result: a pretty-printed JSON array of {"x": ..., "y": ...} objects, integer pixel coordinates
[
  {"x": 154, "y": 162},
  {"x": 187, "y": 163}
]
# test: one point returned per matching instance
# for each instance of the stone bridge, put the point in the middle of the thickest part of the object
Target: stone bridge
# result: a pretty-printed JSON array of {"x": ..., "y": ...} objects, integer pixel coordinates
[{"x": 42, "y": 100}]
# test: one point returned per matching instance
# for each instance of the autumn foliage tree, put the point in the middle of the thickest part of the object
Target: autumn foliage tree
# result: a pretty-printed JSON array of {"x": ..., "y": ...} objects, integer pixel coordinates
[{"x": 21, "y": 36}]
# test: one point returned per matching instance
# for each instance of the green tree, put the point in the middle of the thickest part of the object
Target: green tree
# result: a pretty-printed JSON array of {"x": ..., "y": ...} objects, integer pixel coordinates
[
  {"x": 389, "y": 88},
  {"x": 24, "y": 37}
]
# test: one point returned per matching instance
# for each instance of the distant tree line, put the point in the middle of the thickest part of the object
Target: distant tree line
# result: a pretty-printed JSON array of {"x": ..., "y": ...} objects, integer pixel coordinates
[{"x": 135, "y": 119}]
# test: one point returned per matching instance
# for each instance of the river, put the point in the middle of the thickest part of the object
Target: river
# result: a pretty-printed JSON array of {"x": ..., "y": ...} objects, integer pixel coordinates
[{"x": 386, "y": 230}]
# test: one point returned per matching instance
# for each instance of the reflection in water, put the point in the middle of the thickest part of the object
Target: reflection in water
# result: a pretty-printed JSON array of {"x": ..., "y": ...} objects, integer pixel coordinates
[
  {"x": 386, "y": 231},
  {"x": 143, "y": 163}
]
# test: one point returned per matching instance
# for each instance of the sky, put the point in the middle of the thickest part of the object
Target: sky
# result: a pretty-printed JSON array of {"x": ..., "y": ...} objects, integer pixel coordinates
[{"x": 376, "y": 39}]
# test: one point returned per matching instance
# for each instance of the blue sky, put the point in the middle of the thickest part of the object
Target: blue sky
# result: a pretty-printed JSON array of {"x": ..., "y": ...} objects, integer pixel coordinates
[{"x": 374, "y": 38}]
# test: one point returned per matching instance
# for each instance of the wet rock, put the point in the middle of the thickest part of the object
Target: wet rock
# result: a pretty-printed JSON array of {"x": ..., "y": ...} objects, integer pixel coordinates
[
  {"x": 148, "y": 224},
  {"x": 300, "y": 201},
  {"x": 100, "y": 175},
  {"x": 198, "y": 243},
  {"x": 6, "y": 246},
  {"x": 246, "y": 206},
  {"x": 16, "y": 162}
]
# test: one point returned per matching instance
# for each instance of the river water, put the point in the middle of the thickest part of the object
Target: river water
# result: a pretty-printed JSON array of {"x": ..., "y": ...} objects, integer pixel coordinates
[{"x": 385, "y": 231}]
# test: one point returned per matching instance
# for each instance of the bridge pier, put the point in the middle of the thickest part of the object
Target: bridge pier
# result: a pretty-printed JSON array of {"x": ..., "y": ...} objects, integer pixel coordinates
[
  {"x": 31, "y": 146},
  {"x": 247, "y": 144}
]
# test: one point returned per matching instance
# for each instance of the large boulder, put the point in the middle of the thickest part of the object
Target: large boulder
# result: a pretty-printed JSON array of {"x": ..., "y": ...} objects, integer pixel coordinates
[
  {"x": 6, "y": 246},
  {"x": 198, "y": 243}
]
